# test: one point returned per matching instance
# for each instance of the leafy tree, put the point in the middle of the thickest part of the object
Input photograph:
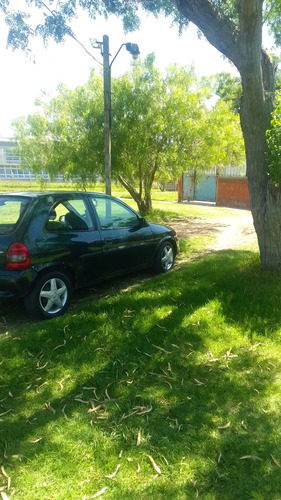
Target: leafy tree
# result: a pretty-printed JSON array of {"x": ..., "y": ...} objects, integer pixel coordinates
[
  {"x": 156, "y": 127},
  {"x": 234, "y": 27},
  {"x": 161, "y": 126},
  {"x": 64, "y": 137}
]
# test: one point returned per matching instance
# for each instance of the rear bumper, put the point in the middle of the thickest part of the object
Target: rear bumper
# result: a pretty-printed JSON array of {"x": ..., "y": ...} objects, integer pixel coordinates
[{"x": 16, "y": 283}]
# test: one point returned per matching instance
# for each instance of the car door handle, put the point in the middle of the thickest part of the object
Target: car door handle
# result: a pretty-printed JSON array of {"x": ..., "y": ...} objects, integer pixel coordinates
[{"x": 108, "y": 240}]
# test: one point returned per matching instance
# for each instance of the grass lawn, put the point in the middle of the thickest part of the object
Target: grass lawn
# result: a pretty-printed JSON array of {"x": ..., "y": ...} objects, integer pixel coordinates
[
  {"x": 117, "y": 190},
  {"x": 149, "y": 387}
]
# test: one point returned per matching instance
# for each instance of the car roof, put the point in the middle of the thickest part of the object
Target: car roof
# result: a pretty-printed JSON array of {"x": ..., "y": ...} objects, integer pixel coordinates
[{"x": 38, "y": 194}]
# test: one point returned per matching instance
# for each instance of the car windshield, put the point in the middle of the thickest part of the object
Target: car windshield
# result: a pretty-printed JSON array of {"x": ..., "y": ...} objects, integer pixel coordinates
[{"x": 12, "y": 209}]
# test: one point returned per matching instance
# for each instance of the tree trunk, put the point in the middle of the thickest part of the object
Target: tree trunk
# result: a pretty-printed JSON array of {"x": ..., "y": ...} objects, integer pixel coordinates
[
  {"x": 144, "y": 205},
  {"x": 257, "y": 73},
  {"x": 242, "y": 44}
]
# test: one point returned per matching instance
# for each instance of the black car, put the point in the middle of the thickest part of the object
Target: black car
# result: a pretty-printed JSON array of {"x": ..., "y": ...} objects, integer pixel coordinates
[{"x": 54, "y": 242}]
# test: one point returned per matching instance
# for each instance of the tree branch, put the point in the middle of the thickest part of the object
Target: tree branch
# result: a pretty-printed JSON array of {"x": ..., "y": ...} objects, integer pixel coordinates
[
  {"x": 217, "y": 28},
  {"x": 70, "y": 33},
  {"x": 131, "y": 190}
]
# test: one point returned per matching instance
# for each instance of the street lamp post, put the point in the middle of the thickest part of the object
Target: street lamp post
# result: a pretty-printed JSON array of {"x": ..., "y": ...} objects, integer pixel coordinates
[
  {"x": 134, "y": 51},
  {"x": 107, "y": 114}
]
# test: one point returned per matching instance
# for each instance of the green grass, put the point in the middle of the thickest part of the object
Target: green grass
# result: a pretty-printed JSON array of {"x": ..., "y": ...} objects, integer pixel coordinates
[
  {"x": 117, "y": 190},
  {"x": 150, "y": 386}
]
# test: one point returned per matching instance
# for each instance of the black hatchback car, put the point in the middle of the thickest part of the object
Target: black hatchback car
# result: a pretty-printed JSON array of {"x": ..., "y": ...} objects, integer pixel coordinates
[{"x": 54, "y": 242}]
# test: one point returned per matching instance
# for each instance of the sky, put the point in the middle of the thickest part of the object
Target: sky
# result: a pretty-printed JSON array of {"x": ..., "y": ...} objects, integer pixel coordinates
[{"x": 23, "y": 77}]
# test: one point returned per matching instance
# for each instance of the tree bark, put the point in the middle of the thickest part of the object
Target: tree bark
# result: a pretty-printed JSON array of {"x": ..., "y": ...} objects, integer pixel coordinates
[
  {"x": 143, "y": 205},
  {"x": 257, "y": 74},
  {"x": 242, "y": 44}
]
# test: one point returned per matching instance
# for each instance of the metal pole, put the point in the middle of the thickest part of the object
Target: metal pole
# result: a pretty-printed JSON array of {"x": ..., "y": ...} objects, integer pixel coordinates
[{"x": 107, "y": 114}]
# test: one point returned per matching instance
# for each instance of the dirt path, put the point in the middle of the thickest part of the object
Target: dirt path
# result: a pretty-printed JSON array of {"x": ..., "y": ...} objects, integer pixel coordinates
[{"x": 235, "y": 231}]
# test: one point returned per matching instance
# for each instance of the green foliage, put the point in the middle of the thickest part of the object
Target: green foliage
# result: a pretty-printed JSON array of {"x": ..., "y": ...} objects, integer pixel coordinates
[
  {"x": 50, "y": 20},
  {"x": 65, "y": 136},
  {"x": 161, "y": 126},
  {"x": 229, "y": 89},
  {"x": 164, "y": 125},
  {"x": 273, "y": 137},
  {"x": 272, "y": 16},
  {"x": 226, "y": 145},
  {"x": 156, "y": 121}
]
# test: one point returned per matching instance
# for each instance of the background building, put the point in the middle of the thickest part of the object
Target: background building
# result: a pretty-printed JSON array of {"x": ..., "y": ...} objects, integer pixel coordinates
[{"x": 10, "y": 165}]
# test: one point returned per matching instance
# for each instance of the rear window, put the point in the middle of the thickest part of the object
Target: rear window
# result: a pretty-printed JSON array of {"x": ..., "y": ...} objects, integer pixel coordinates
[{"x": 11, "y": 211}]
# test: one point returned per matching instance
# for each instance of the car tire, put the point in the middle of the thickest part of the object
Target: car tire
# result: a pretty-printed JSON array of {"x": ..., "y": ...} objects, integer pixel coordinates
[
  {"x": 165, "y": 257},
  {"x": 49, "y": 297}
]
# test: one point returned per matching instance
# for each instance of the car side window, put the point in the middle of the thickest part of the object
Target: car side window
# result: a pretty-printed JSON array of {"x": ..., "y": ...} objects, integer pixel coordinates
[
  {"x": 113, "y": 215},
  {"x": 69, "y": 215}
]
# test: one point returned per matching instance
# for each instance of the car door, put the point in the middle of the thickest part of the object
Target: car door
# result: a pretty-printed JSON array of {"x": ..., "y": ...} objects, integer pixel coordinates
[
  {"x": 71, "y": 238},
  {"x": 127, "y": 239}
]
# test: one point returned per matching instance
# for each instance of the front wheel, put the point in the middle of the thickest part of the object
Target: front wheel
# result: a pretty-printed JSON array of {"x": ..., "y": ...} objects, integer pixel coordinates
[
  {"x": 165, "y": 257},
  {"x": 50, "y": 296}
]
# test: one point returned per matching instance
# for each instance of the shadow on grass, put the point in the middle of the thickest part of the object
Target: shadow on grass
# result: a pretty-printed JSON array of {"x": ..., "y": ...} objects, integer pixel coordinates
[{"x": 171, "y": 368}]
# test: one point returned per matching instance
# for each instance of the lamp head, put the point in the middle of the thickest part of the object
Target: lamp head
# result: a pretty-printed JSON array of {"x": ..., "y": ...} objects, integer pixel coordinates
[{"x": 133, "y": 48}]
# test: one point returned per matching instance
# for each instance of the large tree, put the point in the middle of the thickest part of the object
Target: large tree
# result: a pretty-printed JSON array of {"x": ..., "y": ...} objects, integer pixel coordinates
[
  {"x": 161, "y": 126},
  {"x": 63, "y": 136},
  {"x": 234, "y": 27}
]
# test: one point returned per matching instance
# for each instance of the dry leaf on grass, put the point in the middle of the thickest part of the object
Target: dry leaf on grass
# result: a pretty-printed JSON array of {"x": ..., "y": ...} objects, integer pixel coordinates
[
  {"x": 40, "y": 386},
  {"x": 129, "y": 415},
  {"x": 84, "y": 402},
  {"x": 114, "y": 473},
  {"x": 161, "y": 349},
  {"x": 168, "y": 383},
  {"x": 94, "y": 408},
  {"x": 50, "y": 408},
  {"x": 226, "y": 426},
  {"x": 4, "y": 472},
  {"x": 34, "y": 441},
  {"x": 198, "y": 382},
  {"x": 63, "y": 411},
  {"x": 5, "y": 413},
  {"x": 60, "y": 345},
  {"x": 107, "y": 395},
  {"x": 7, "y": 477},
  {"x": 38, "y": 367},
  {"x": 99, "y": 493},
  {"x": 251, "y": 457},
  {"x": 141, "y": 410},
  {"x": 154, "y": 464},
  {"x": 4, "y": 496},
  {"x": 275, "y": 461}
]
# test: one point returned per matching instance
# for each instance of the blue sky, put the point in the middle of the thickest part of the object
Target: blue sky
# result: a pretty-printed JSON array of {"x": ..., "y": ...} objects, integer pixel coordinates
[{"x": 23, "y": 78}]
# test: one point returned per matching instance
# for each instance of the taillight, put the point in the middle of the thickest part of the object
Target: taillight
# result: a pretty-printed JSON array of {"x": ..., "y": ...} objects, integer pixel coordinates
[{"x": 18, "y": 256}]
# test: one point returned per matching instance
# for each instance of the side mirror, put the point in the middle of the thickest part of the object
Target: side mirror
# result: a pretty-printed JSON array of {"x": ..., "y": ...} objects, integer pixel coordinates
[
  {"x": 143, "y": 222},
  {"x": 138, "y": 224}
]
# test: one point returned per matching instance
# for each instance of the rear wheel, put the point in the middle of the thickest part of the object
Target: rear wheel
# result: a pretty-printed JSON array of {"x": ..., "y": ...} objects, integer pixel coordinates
[
  {"x": 50, "y": 296},
  {"x": 165, "y": 257}
]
